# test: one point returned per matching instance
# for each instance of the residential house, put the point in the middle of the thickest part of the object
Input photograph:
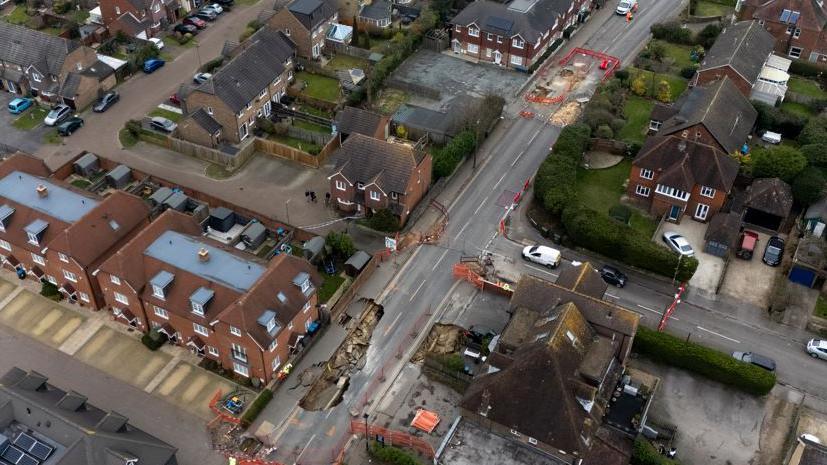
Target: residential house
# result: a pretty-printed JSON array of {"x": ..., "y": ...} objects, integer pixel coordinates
[
  {"x": 573, "y": 346},
  {"x": 51, "y": 232},
  {"x": 52, "y": 68},
  {"x": 235, "y": 309},
  {"x": 373, "y": 174},
  {"x": 352, "y": 120},
  {"x": 743, "y": 53},
  {"x": 138, "y": 18},
  {"x": 375, "y": 16},
  {"x": 513, "y": 34},
  {"x": 225, "y": 107},
  {"x": 306, "y": 22},
  {"x": 43, "y": 424},
  {"x": 797, "y": 25}
]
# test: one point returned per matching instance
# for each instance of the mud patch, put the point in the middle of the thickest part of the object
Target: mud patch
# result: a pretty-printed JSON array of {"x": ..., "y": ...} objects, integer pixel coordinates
[{"x": 442, "y": 339}]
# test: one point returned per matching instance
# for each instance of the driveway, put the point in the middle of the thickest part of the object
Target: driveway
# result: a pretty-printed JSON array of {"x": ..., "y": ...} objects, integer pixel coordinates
[
  {"x": 751, "y": 280},
  {"x": 16, "y": 139},
  {"x": 710, "y": 267}
]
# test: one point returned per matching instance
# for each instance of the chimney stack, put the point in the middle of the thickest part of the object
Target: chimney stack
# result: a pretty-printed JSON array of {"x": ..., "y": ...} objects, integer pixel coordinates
[
  {"x": 42, "y": 191},
  {"x": 203, "y": 255}
]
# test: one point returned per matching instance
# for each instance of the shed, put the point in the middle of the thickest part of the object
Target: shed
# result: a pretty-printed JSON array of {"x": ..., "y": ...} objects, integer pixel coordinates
[
  {"x": 158, "y": 197},
  {"x": 222, "y": 219},
  {"x": 177, "y": 201},
  {"x": 313, "y": 248},
  {"x": 809, "y": 263},
  {"x": 721, "y": 236},
  {"x": 87, "y": 165},
  {"x": 768, "y": 203},
  {"x": 356, "y": 263},
  {"x": 119, "y": 177},
  {"x": 815, "y": 218},
  {"x": 254, "y": 234}
]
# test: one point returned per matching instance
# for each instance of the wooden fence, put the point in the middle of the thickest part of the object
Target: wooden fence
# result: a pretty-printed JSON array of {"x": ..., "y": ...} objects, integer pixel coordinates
[
  {"x": 392, "y": 437},
  {"x": 317, "y": 138},
  {"x": 347, "y": 296},
  {"x": 277, "y": 149},
  {"x": 348, "y": 50},
  {"x": 228, "y": 161}
]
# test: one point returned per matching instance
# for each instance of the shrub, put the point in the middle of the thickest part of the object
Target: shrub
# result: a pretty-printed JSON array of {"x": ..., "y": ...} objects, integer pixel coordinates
[
  {"x": 554, "y": 183},
  {"x": 808, "y": 187},
  {"x": 447, "y": 158},
  {"x": 597, "y": 116},
  {"x": 639, "y": 86},
  {"x": 61, "y": 8},
  {"x": 807, "y": 69},
  {"x": 50, "y": 291},
  {"x": 777, "y": 162},
  {"x": 255, "y": 408},
  {"x": 383, "y": 220},
  {"x": 392, "y": 455},
  {"x": 688, "y": 71},
  {"x": 814, "y": 132},
  {"x": 672, "y": 32},
  {"x": 715, "y": 365},
  {"x": 265, "y": 125},
  {"x": 644, "y": 453},
  {"x": 663, "y": 92},
  {"x": 184, "y": 38},
  {"x": 212, "y": 65},
  {"x": 622, "y": 74},
  {"x": 815, "y": 154},
  {"x": 153, "y": 340},
  {"x": 707, "y": 36},
  {"x": 340, "y": 243},
  {"x": 778, "y": 120},
  {"x": 604, "y": 131},
  {"x": 134, "y": 128}
]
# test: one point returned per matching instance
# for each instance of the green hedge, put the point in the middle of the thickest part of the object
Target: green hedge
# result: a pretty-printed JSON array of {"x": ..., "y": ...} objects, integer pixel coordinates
[
  {"x": 644, "y": 453},
  {"x": 392, "y": 455},
  {"x": 153, "y": 340},
  {"x": 713, "y": 364},
  {"x": 256, "y": 407},
  {"x": 554, "y": 184},
  {"x": 448, "y": 157},
  {"x": 807, "y": 69}
]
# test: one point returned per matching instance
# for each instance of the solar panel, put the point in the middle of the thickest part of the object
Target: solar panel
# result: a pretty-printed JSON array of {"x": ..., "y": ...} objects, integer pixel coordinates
[
  {"x": 24, "y": 441},
  {"x": 785, "y": 15},
  {"x": 12, "y": 454},
  {"x": 41, "y": 451},
  {"x": 31, "y": 445},
  {"x": 28, "y": 460}
]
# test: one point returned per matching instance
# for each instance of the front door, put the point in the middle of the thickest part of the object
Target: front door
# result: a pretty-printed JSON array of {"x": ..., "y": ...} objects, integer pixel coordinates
[
  {"x": 498, "y": 57},
  {"x": 674, "y": 213},
  {"x": 701, "y": 211},
  {"x": 457, "y": 46}
]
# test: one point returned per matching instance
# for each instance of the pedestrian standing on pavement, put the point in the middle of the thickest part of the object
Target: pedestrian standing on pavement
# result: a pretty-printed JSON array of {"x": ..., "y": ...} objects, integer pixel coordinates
[
  {"x": 313, "y": 196},
  {"x": 307, "y": 195},
  {"x": 327, "y": 199}
]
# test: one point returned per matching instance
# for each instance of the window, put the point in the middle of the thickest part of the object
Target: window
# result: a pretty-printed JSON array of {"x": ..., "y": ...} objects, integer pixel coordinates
[
  {"x": 499, "y": 39},
  {"x": 70, "y": 276},
  {"x": 51, "y": 279},
  {"x": 250, "y": 105},
  {"x": 790, "y": 29},
  {"x": 672, "y": 192},
  {"x": 760, "y": 22},
  {"x": 374, "y": 195},
  {"x": 290, "y": 326},
  {"x": 239, "y": 352},
  {"x": 115, "y": 280},
  {"x": 394, "y": 195},
  {"x": 707, "y": 191},
  {"x": 473, "y": 32},
  {"x": 647, "y": 174},
  {"x": 306, "y": 307},
  {"x": 273, "y": 345},
  {"x": 276, "y": 363},
  {"x": 262, "y": 93},
  {"x": 5, "y": 245},
  {"x": 259, "y": 113},
  {"x": 489, "y": 36},
  {"x": 36, "y": 76},
  {"x": 795, "y": 52},
  {"x": 271, "y": 325},
  {"x": 197, "y": 308},
  {"x": 240, "y": 113},
  {"x": 277, "y": 81},
  {"x": 518, "y": 42},
  {"x": 473, "y": 48},
  {"x": 200, "y": 329},
  {"x": 212, "y": 351},
  {"x": 515, "y": 433},
  {"x": 571, "y": 337},
  {"x": 287, "y": 32},
  {"x": 38, "y": 259},
  {"x": 33, "y": 237},
  {"x": 655, "y": 125},
  {"x": 516, "y": 60},
  {"x": 458, "y": 28},
  {"x": 235, "y": 331},
  {"x": 209, "y": 110},
  {"x": 307, "y": 324},
  {"x": 701, "y": 211},
  {"x": 360, "y": 186},
  {"x": 121, "y": 298},
  {"x": 797, "y": 33},
  {"x": 242, "y": 131},
  {"x": 158, "y": 291},
  {"x": 340, "y": 185},
  {"x": 160, "y": 312},
  {"x": 156, "y": 7},
  {"x": 642, "y": 191},
  {"x": 532, "y": 441},
  {"x": 84, "y": 297},
  {"x": 117, "y": 10},
  {"x": 487, "y": 53},
  {"x": 63, "y": 257},
  {"x": 241, "y": 369},
  {"x": 305, "y": 286}
]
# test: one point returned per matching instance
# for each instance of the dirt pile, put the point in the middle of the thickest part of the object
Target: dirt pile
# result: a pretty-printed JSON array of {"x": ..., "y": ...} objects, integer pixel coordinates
[
  {"x": 567, "y": 114},
  {"x": 442, "y": 339}
]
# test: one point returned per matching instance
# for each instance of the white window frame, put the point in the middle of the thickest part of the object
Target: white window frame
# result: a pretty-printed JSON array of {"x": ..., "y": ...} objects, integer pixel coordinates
[
  {"x": 489, "y": 36},
  {"x": 209, "y": 111},
  {"x": 263, "y": 93},
  {"x": 114, "y": 279},
  {"x": 276, "y": 363},
  {"x": 243, "y": 130},
  {"x": 655, "y": 125},
  {"x": 160, "y": 312},
  {"x": 790, "y": 29},
  {"x": 473, "y": 31},
  {"x": 51, "y": 279},
  {"x": 84, "y": 297},
  {"x": 701, "y": 211},
  {"x": 458, "y": 28},
  {"x": 532, "y": 441},
  {"x": 271, "y": 325},
  {"x": 472, "y": 48},
  {"x": 360, "y": 186},
  {"x": 156, "y": 7},
  {"x": 516, "y": 60},
  {"x": 5, "y": 245},
  {"x": 241, "y": 369},
  {"x": 394, "y": 195},
  {"x": 212, "y": 351},
  {"x": 305, "y": 286},
  {"x": 70, "y": 276},
  {"x": 158, "y": 292},
  {"x": 306, "y": 307},
  {"x": 647, "y": 174},
  {"x": 235, "y": 331},
  {"x": 797, "y": 33},
  {"x": 515, "y": 432},
  {"x": 33, "y": 239},
  {"x": 488, "y": 52},
  {"x": 200, "y": 329},
  {"x": 797, "y": 55},
  {"x": 374, "y": 195},
  {"x": 499, "y": 39},
  {"x": 290, "y": 326},
  {"x": 672, "y": 192},
  {"x": 62, "y": 256},
  {"x": 273, "y": 345},
  {"x": 197, "y": 308},
  {"x": 340, "y": 185},
  {"x": 38, "y": 259},
  {"x": 642, "y": 191},
  {"x": 517, "y": 42},
  {"x": 120, "y": 298},
  {"x": 708, "y": 192}
]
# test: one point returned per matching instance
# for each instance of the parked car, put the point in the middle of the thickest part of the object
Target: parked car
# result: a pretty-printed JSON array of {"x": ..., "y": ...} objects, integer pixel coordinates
[
  {"x": 162, "y": 124},
  {"x": 542, "y": 255},
  {"x": 57, "y": 115},
  {"x": 678, "y": 243},
  {"x": 158, "y": 43},
  {"x": 19, "y": 105},
  {"x": 625, "y": 6},
  {"x": 215, "y": 8},
  {"x": 755, "y": 359},
  {"x": 175, "y": 100},
  {"x": 747, "y": 244},
  {"x": 201, "y": 78},
  {"x": 774, "y": 251},
  {"x": 69, "y": 126},
  {"x": 613, "y": 276},
  {"x": 195, "y": 21},
  {"x": 479, "y": 334},
  {"x": 817, "y": 348},
  {"x": 186, "y": 28},
  {"x": 225, "y": 3},
  {"x": 206, "y": 15},
  {"x": 152, "y": 64},
  {"x": 771, "y": 137},
  {"x": 107, "y": 100}
]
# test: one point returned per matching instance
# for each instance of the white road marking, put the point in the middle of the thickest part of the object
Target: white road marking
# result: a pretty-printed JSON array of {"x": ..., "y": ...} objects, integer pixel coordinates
[
  {"x": 501, "y": 180},
  {"x": 440, "y": 259},
  {"x": 393, "y": 323},
  {"x": 658, "y": 312},
  {"x": 518, "y": 158},
  {"x": 417, "y": 290},
  {"x": 611, "y": 296},
  {"x": 542, "y": 270},
  {"x": 304, "y": 448},
  {"x": 461, "y": 230},
  {"x": 481, "y": 204},
  {"x": 719, "y": 334}
]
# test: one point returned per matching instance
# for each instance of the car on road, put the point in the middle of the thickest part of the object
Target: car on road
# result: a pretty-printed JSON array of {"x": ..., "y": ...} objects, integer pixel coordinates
[
  {"x": 158, "y": 43},
  {"x": 162, "y": 124},
  {"x": 678, "y": 243},
  {"x": 186, "y": 28},
  {"x": 201, "y": 78},
  {"x": 625, "y": 6},
  {"x": 542, "y": 255},
  {"x": 774, "y": 251},
  {"x": 69, "y": 126},
  {"x": 19, "y": 105},
  {"x": 215, "y": 8},
  {"x": 57, "y": 115},
  {"x": 107, "y": 100},
  {"x": 152, "y": 64},
  {"x": 195, "y": 21},
  {"x": 747, "y": 244},
  {"x": 206, "y": 15},
  {"x": 755, "y": 359},
  {"x": 817, "y": 348},
  {"x": 613, "y": 276}
]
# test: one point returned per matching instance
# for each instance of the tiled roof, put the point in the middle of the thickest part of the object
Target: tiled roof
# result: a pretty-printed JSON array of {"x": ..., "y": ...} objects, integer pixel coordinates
[
  {"x": 378, "y": 10},
  {"x": 683, "y": 163},
  {"x": 364, "y": 159},
  {"x": 131, "y": 25},
  {"x": 584, "y": 279},
  {"x": 242, "y": 79},
  {"x": 770, "y": 195},
  {"x": 813, "y": 14},
  {"x": 744, "y": 46},
  {"x": 70, "y": 85},
  {"x": 24, "y": 47},
  {"x": 355, "y": 120},
  {"x": 721, "y": 108},
  {"x": 528, "y": 18},
  {"x": 311, "y": 13},
  {"x": 724, "y": 228},
  {"x": 207, "y": 122}
]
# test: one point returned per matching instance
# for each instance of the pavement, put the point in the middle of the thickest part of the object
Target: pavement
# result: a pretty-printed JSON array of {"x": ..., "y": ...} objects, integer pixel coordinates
[{"x": 17, "y": 139}]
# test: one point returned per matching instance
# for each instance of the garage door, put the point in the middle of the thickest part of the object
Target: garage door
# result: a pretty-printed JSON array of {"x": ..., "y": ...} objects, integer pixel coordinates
[
  {"x": 716, "y": 248},
  {"x": 802, "y": 276}
]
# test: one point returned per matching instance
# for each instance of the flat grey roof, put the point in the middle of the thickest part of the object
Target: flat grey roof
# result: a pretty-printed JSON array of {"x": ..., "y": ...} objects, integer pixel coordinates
[
  {"x": 223, "y": 268},
  {"x": 60, "y": 203},
  {"x": 36, "y": 227},
  {"x": 162, "y": 279},
  {"x": 202, "y": 295}
]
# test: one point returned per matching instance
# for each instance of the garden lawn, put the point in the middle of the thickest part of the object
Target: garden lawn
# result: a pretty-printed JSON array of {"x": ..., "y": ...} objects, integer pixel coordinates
[
  {"x": 81, "y": 183},
  {"x": 797, "y": 109},
  {"x": 311, "y": 110},
  {"x": 31, "y": 118},
  {"x": 320, "y": 87},
  {"x": 678, "y": 53},
  {"x": 18, "y": 16},
  {"x": 311, "y": 126},
  {"x": 637, "y": 112},
  {"x": 821, "y": 307},
  {"x": 299, "y": 144},
  {"x": 390, "y": 100},
  {"x": 806, "y": 87},
  {"x": 346, "y": 62},
  {"x": 677, "y": 84},
  {"x": 330, "y": 284},
  {"x": 706, "y": 8},
  {"x": 170, "y": 115}
]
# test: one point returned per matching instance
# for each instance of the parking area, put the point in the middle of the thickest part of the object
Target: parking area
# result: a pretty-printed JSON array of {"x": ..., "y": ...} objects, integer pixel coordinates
[
  {"x": 39, "y": 318},
  {"x": 192, "y": 388},
  {"x": 25, "y": 140},
  {"x": 710, "y": 267},
  {"x": 751, "y": 280}
]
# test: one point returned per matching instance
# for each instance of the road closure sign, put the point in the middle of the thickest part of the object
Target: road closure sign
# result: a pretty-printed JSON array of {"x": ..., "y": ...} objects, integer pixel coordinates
[{"x": 390, "y": 244}]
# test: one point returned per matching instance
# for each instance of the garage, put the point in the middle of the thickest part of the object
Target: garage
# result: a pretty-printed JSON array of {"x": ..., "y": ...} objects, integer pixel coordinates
[
  {"x": 803, "y": 276},
  {"x": 767, "y": 203},
  {"x": 722, "y": 234},
  {"x": 808, "y": 262}
]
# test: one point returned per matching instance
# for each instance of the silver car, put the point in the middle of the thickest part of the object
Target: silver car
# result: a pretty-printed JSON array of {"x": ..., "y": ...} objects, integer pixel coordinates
[
  {"x": 817, "y": 348},
  {"x": 57, "y": 115},
  {"x": 162, "y": 124},
  {"x": 678, "y": 243}
]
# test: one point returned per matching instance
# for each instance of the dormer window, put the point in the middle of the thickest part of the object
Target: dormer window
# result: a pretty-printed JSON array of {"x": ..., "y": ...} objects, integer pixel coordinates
[
  {"x": 160, "y": 282},
  {"x": 34, "y": 231},
  {"x": 517, "y": 42},
  {"x": 6, "y": 212},
  {"x": 302, "y": 280},
  {"x": 268, "y": 320},
  {"x": 473, "y": 31},
  {"x": 199, "y": 300},
  {"x": 360, "y": 186}
]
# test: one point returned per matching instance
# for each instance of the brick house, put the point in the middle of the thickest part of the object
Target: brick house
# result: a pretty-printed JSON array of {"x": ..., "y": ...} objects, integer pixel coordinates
[
  {"x": 52, "y": 233},
  {"x": 743, "y": 53},
  {"x": 245, "y": 314},
  {"x": 53, "y": 69},
  {"x": 227, "y": 105},
  {"x": 373, "y": 174},
  {"x": 516, "y": 34},
  {"x": 306, "y": 22},
  {"x": 138, "y": 18},
  {"x": 797, "y": 25},
  {"x": 573, "y": 346}
]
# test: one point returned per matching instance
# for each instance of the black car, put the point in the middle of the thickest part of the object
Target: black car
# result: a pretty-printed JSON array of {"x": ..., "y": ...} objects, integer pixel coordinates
[
  {"x": 755, "y": 359},
  {"x": 613, "y": 276},
  {"x": 105, "y": 102},
  {"x": 69, "y": 126},
  {"x": 224, "y": 3},
  {"x": 479, "y": 334},
  {"x": 774, "y": 251},
  {"x": 186, "y": 29}
]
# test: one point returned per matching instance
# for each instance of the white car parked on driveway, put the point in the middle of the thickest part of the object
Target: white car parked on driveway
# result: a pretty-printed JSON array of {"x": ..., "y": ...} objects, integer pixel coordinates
[{"x": 678, "y": 243}]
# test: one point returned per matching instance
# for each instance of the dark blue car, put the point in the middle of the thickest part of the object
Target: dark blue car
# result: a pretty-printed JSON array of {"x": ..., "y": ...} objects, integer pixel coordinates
[{"x": 152, "y": 64}]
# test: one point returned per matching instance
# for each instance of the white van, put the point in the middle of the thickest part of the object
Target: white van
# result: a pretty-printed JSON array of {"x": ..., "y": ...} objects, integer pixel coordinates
[
  {"x": 771, "y": 137},
  {"x": 542, "y": 255}
]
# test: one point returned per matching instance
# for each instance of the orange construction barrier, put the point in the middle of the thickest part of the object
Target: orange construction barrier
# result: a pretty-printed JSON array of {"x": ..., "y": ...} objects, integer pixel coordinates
[{"x": 425, "y": 420}]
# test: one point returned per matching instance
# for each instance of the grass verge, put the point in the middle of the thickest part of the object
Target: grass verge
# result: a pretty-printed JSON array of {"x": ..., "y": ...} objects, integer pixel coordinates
[
  {"x": 126, "y": 138},
  {"x": 705, "y": 8},
  {"x": 52, "y": 137},
  {"x": 821, "y": 307},
  {"x": 170, "y": 115},
  {"x": 31, "y": 118}
]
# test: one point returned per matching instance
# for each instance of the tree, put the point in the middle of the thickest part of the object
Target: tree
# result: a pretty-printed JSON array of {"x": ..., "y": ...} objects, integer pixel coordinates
[
  {"x": 814, "y": 132},
  {"x": 639, "y": 84},
  {"x": 622, "y": 75},
  {"x": 808, "y": 187},
  {"x": 340, "y": 243},
  {"x": 664, "y": 92},
  {"x": 777, "y": 162},
  {"x": 604, "y": 132},
  {"x": 657, "y": 51},
  {"x": 708, "y": 35},
  {"x": 816, "y": 154}
]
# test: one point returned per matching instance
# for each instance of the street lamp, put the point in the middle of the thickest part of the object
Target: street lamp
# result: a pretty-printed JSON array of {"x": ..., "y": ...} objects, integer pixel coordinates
[
  {"x": 367, "y": 436},
  {"x": 476, "y": 142},
  {"x": 287, "y": 210},
  {"x": 677, "y": 267}
]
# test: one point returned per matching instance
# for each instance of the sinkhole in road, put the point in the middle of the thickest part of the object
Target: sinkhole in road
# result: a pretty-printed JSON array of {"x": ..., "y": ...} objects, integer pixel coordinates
[{"x": 334, "y": 377}]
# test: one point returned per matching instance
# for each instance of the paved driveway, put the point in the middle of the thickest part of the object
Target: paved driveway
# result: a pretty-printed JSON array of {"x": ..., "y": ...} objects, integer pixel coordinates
[
  {"x": 710, "y": 267},
  {"x": 28, "y": 141},
  {"x": 751, "y": 280}
]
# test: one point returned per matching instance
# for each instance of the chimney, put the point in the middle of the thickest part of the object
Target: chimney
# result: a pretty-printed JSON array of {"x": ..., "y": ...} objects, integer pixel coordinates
[
  {"x": 42, "y": 191},
  {"x": 203, "y": 255}
]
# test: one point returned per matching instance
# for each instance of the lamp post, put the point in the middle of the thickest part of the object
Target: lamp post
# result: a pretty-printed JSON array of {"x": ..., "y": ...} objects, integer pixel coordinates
[
  {"x": 677, "y": 267},
  {"x": 287, "y": 210},
  {"x": 367, "y": 435},
  {"x": 476, "y": 142}
]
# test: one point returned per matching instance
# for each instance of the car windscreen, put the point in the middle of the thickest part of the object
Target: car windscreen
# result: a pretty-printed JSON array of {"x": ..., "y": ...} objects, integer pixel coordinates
[
  {"x": 534, "y": 249},
  {"x": 686, "y": 248},
  {"x": 773, "y": 251}
]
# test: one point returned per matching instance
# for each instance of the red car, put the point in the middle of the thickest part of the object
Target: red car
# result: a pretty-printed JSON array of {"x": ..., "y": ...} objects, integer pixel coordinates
[
  {"x": 173, "y": 99},
  {"x": 197, "y": 22},
  {"x": 749, "y": 241}
]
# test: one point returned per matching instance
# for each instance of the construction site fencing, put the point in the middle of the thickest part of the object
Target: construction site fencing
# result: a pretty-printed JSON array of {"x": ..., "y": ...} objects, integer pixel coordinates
[{"x": 393, "y": 437}]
